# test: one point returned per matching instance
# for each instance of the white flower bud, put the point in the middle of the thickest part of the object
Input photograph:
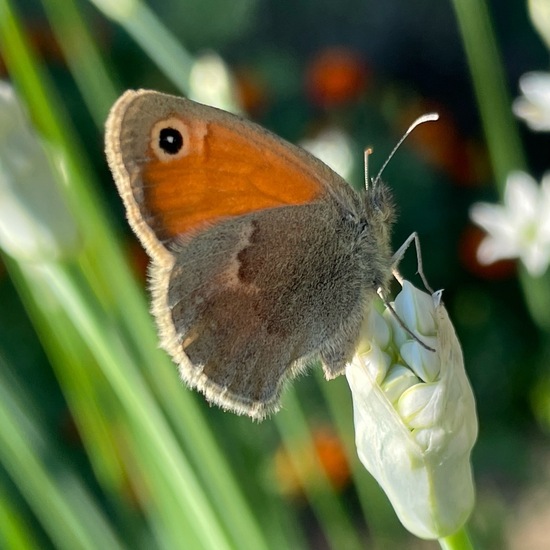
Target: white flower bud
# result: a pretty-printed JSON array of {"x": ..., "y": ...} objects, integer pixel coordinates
[
  {"x": 539, "y": 11},
  {"x": 398, "y": 380},
  {"x": 379, "y": 331},
  {"x": 335, "y": 148},
  {"x": 376, "y": 362},
  {"x": 415, "y": 309},
  {"x": 35, "y": 224},
  {"x": 373, "y": 354},
  {"x": 422, "y": 361},
  {"x": 119, "y": 10},
  {"x": 415, "y": 429},
  {"x": 418, "y": 406},
  {"x": 211, "y": 82}
]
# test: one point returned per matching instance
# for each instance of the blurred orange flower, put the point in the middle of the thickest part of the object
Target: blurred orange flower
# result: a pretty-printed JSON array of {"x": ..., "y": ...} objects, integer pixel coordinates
[
  {"x": 443, "y": 146},
  {"x": 335, "y": 76},
  {"x": 251, "y": 90},
  {"x": 327, "y": 449},
  {"x": 139, "y": 261}
]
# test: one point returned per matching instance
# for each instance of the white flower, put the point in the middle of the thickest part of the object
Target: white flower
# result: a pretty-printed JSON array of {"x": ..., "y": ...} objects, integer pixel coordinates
[
  {"x": 35, "y": 224},
  {"x": 521, "y": 227},
  {"x": 534, "y": 105},
  {"x": 415, "y": 434},
  {"x": 335, "y": 148},
  {"x": 539, "y": 11},
  {"x": 211, "y": 83}
]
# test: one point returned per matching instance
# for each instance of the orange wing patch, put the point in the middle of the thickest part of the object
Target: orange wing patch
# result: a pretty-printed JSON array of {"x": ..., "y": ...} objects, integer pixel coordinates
[{"x": 224, "y": 172}]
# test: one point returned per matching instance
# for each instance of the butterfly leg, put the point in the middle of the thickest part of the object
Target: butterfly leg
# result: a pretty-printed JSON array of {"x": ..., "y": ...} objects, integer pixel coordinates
[{"x": 397, "y": 257}]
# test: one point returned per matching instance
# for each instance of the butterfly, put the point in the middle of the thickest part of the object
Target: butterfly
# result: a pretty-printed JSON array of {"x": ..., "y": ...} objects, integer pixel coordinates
[{"x": 263, "y": 259}]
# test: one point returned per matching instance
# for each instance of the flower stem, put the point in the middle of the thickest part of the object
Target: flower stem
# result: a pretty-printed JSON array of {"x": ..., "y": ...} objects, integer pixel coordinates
[
  {"x": 500, "y": 128},
  {"x": 154, "y": 38},
  {"x": 489, "y": 83},
  {"x": 457, "y": 541}
]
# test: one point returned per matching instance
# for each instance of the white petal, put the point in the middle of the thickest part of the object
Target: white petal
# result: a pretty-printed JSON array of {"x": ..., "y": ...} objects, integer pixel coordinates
[
  {"x": 536, "y": 259},
  {"x": 398, "y": 379},
  {"x": 429, "y": 437},
  {"x": 416, "y": 309},
  {"x": 420, "y": 406},
  {"x": 211, "y": 83},
  {"x": 521, "y": 197},
  {"x": 536, "y": 86},
  {"x": 424, "y": 363},
  {"x": 378, "y": 329},
  {"x": 539, "y": 12},
  {"x": 35, "y": 221},
  {"x": 491, "y": 250},
  {"x": 534, "y": 106},
  {"x": 544, "y": 208},
  {"x": 536, "y": 117},
  {"x": 399, "y": 336},
  {"x": 493, "y": 218},
  {"x": 375, "y": 361},
  {"x": 335, "y": 148}
]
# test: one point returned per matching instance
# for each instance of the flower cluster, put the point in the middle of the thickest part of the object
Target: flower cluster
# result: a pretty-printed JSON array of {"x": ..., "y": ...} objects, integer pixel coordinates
[
  {"x": 521, "y": 227},
  {"x": 414, "y": 414}
]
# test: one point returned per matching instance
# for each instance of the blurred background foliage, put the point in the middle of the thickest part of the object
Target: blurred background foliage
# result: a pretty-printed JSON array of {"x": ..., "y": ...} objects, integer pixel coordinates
[{"x": 76, "y": 449}]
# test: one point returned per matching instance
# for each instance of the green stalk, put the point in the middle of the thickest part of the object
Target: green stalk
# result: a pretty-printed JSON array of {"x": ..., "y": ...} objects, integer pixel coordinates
[
  {"x": 53, "y": 491},
  {"x": 104, "y": 265},
  {"x": 83, "y": 57},
  {"x": 500, "y": 127},
  {"x": 489, "y": 82},
  {"x": 458, "y": 541},
  {"x": 15, "y": 532},
  {"x": 86, "y": 391},
  {"x": 323, "y": 499},
  {"x": 153, "y": 37},
  {"x": 377, "y": 510},
  {"x": 151, "y": 429}
]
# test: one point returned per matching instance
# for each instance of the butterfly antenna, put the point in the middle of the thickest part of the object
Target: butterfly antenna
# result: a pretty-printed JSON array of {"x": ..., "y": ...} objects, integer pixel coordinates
[
  {"x": 420, "y": 120},
  {"x": 368, "y": 152}
]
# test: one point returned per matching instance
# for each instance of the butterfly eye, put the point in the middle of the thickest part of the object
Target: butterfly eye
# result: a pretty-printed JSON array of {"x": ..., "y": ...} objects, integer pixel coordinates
[{"x": 170, "y": 139}]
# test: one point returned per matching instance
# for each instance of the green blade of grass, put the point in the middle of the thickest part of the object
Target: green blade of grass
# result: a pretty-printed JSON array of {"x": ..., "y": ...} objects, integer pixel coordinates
[
  {"x": 83, "y": 57},
  {"x": 153, "y": 37},
  {"x": 104, "y": 265},
  {"x": 81, "y": 380},
  {"x": 153, "y": 435},
  {"x": 15, "y": 532},
  {"x": 458, "y": 541},
  {"x": 489, "y": 83},
  {"x": 500, "y": 128},
  {"x": 322, "y": 497},
  {"x": 377, "y": 510},
  {"x": 62, "y": 504}
]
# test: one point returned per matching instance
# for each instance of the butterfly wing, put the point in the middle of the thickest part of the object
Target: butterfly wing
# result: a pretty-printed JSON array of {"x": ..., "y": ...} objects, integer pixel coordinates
[
  {"x": 249, "y": 301},
  {"x": 250, "y": 241},
  {"x": 225, "y": 166}
]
